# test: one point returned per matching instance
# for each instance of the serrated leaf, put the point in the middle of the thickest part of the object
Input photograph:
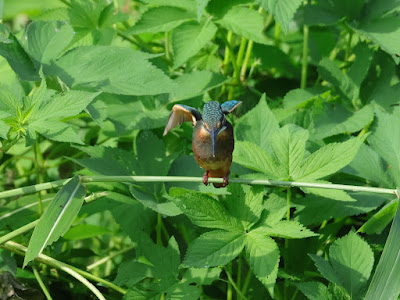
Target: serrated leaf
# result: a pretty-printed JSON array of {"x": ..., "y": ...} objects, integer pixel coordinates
[
  {"x": 263, "y": 257},
  {"x": 385, "y": 140},
  {"x": 56, "y": 131},
  {"x": 9, "y": 103},
  {"x": 204, "y": 276},
  {"x": 283, "y": 11},
  {"x": 289, "y": 144},
  {"x": 275, "y": 208},
  {"x": 385, "y": 283},
  {"x": 378, "y": 222},
  {"x": 257, "y": 125},
  {"x": 286, "y": 229},
  {"x": 16, "y": 56},
  {"x": 329, "y": 159},
  {"x": 315, "y": 209},
  {"x": 161, "y": 19},
  {"x": 339, "y": 195},
  {"x": 214, "y": 248},
  {"x": 252, "y": 29},
  {"x": 338, "y": 120},
  {"x": 210, "y": 213},
  {"x": 325, "y": 268},
  {"x": 253, "y": 157},
  {"x": 314, "y": 290},
  {"x": 118, "y": 70},
  {"x": 245, "y": 203},
  {"x": 352, "y": 259},
  {"x": 47, "y": 40},
  {"x": 189, "y": 38},
  {"x": 57, "y": 219},
  {"x": 132, "y": 272}
]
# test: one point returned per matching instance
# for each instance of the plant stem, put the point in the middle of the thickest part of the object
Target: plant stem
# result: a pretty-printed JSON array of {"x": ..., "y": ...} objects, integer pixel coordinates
[
  {"x": 167, "y": 56},
  {"x": 39, "y": 164},
  {"x": 246, "y": 283},
  {"x": 239, "y": 277},
  {"x": 158, "y": 229},
  {"x": 233, "y": 284},
  {"x": 41, "y": 284},
  {"x": 107, "y": 258},
  {"x": 228, "y": 40},
  {"x": 348, "y": 48},
  {"x": 242, "y": 48},
  {"x": 304, "y": 63},
  {"x": 288, "y": 198},
  {"x": 277, "y": 33},
  {"x": 17, "y": 232},
  {"x": 265, "y": 182},
  {"x": 47, "y": 260}
]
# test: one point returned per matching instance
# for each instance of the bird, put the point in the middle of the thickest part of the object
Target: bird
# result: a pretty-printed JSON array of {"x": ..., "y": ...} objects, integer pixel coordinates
[{"x": 212, "y": 139}]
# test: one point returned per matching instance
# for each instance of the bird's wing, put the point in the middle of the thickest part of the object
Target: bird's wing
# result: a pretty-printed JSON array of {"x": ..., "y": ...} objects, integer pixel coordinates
[
  {"x": 181, "y": 113},
  {"x": 229, "y": 106}
]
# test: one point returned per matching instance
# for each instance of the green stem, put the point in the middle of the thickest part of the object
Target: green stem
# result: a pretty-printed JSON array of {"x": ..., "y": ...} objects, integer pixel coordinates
[
  {"x": 158, "y": 229},
  {"x": 228, "y": 40},
  {"x": 39, "y": 164},
  {"x": 167, "y": 56},
  {"x": 348, "y": 48},
  {"x": 47, "y": 260},
  {"x": 242, "y": 48},
  {"x": 233, "y": 284},
  {"x": 304, "y": 63},
  {"x": 288, "y": 198},
  {"x": 277, "y": 33},
  {"x": 246, "y": 283},
  {"x": 231, "y": 55},
  {"x": 265, "y": 182},
  {"x": 17, "y": 232},
  {"x": 41, "y": 284},
  {"x": 108, "y": 258},
  {"x": 239, "y": 277}
]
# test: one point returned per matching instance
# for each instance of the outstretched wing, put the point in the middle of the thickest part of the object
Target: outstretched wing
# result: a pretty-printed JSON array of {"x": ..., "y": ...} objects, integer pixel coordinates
[
  {"x": 229, "y": 106},
  {"x": 181, "y": 113}
]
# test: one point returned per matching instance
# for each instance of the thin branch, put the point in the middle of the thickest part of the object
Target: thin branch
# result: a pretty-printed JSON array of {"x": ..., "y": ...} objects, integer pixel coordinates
[
  {"x": 41, "y": 284},
  {"x": 265, "y": 182}
]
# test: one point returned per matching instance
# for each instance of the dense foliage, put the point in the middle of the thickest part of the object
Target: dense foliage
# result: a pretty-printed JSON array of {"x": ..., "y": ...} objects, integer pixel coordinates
[{"x": 86, "y": 87}]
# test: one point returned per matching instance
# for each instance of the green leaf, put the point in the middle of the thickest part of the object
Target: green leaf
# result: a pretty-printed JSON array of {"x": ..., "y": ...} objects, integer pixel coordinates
[
  {"x": 57, "y": 219},
  {"x": 263, "y": 257},
  {"x": 257, "y": 125},
  {"x": 253, "y": 157},
  {"x": 185, "y": 4},
  {"x": 252, "y": 29},
  {"x": 1, "y": 9},
  {"x": 384, "y": 31},
  {"x": 132, "y": 272},
  {"x": 385, "y": 283},
  {"x": 286, "y": 229},
  {"x": 190, "y": 85},
  {"x": 161, "y": 19},
  {"x": 9, "y": 103},
  {"x": 201, "y": 8},
  {"x": 316, "y": 14},
  {"x": 330, "y": 159},
  {"x": 289, "y": 144},
  {"x": 325, "y": 268},
  {"x": 275, "y": 208},
  {"x": 283, "y": 11},
  {"x": 339, "y": 195},
  {"x": 378, "y": 222},
  {"x": 204, "y": 276},
  {"x": 245, "y": 203},
  {"x": 353, "y": 267},
  {"x": 119, "y": 70},
  {"x": 85, "y": 231},
  {"x": 314, "y": 290},
  {"x": 369, "y": 165},
  {"x": 214, "y": 248},
  {"x": 16, "y": 56},
  {"x": 337, "y": 120},
  {"x": 189, "y": 38},
  {"x": 210, "y": 213},
  {"x": 385, "y": 140},
  {"x": 315, "y": 209},
  {"x": 359, "y": 69},
  {"x": 56, "y": 131},
  {"x": 47, "y": 40}
]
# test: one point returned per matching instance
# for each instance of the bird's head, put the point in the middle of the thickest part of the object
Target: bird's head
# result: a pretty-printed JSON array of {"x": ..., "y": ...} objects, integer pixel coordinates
[{"x": 213, "y": 121}]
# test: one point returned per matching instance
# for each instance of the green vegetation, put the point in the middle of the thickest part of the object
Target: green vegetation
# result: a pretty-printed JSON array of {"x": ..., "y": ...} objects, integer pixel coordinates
[{"x": 96, "y": 203}]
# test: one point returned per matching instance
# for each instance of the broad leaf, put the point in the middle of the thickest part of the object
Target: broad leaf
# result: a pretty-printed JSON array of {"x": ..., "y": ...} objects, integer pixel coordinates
[
  {"x": 55, "y": 130},
  {"x": 283, "y": 11},
  {"x": 204, "y": 276},
  {"x": 57, "y": 219},
  {"x": 330, "y": 159},
  {"x": 314, "y": 290},
  {"x": 251, "y": 29},
  {"x": 210, "y": 213},
  {"x": 189, "y": 38},
  {"x": 286, "y": 229},
  {"x": 326, "y": 269},
  {"x": 162, "y": 19},
  {"x": 263, "y": 257},
  {"x": 118, "y": 70},
  {"x": 201, "y": 8},
  {"x": 85, "y": 231},
  {"x": 378, "y": 222},
  {"x": 257, "y": 125},
  {"x": 214, "y": 248}
]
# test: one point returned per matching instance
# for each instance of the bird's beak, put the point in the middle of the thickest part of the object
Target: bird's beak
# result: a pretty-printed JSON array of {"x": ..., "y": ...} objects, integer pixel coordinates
[{"x": 213, "y": 133}]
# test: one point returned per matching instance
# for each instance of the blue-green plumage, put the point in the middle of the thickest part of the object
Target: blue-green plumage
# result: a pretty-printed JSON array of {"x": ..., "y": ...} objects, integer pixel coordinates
[{"x": 212, "y": 141}]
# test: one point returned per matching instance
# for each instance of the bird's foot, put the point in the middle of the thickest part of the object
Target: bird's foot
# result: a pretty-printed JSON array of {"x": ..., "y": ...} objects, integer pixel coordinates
[
  {"x": 225, "y": 182},
  {"x": 205, "y": 178}
]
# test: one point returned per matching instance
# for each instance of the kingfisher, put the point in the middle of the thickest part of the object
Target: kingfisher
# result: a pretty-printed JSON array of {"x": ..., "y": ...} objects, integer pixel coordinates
[{"x": 212, "y": 139}]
